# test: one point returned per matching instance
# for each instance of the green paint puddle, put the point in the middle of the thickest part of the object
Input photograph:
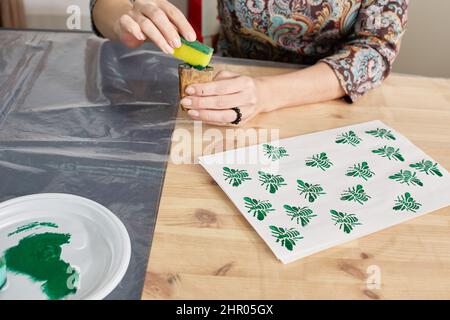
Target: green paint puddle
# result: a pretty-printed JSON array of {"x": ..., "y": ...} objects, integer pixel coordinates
[
  {"x": 33, "y": 225},
  {"x": 2, "y": 272},
  {"x": 39, "y": 257}
]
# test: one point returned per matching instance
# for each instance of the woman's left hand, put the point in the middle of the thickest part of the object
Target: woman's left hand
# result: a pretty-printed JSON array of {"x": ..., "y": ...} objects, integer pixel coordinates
[{"x": 213, "y": 102}]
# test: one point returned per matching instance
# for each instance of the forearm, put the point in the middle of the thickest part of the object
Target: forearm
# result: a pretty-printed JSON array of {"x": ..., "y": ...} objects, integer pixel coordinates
[
  {"x": 310, "y": 85},
  {"x": 106, "y": 13}
]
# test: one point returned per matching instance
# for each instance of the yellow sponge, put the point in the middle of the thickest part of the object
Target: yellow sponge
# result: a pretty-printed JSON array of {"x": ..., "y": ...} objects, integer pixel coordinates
[{"x": 194, "y": 53}]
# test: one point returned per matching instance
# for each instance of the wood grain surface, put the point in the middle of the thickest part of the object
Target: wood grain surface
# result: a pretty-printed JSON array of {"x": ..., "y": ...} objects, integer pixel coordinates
[{"x": 204, "y": 249}]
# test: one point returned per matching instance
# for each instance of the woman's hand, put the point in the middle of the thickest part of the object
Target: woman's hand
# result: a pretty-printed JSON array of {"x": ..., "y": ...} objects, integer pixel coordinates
[
  {"x": 212, "y": 102},
  {"x": 157, "y": 20}
]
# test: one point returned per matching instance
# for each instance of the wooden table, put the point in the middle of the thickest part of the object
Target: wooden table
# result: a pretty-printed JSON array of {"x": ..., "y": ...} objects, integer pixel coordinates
[{"x": 204, "y": 249}]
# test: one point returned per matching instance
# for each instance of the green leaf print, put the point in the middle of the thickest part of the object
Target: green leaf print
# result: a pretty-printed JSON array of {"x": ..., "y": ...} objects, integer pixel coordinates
[
  {"x": 361, "y": 170},
  {"x": 271, "y": 182},
  {"x": 406, "y": 203},
  {"x": 274, "y": 153},
  {"x": 235, "y": 177},
  {"x": 346, "y": 221},
  {"x": 320, "y": 161},
  {"x": 348, "y": 138},
  {"x": 428, "y": 167},
  {"x": 390, "y": 153},
  {"x": 303, "y": 215},
  {"x": 382, "y": 133},
  {"x": 311, "y": 191},
  {"x": 259, "y": 208},
  {"x": 356, "y": 194},
  {"x": 287, "y": 237},
  {"x": 408, "y": 177}
]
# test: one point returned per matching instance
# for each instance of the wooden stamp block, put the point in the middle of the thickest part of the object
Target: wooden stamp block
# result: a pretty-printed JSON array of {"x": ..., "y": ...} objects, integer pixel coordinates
[{"x": 189, "y": 75}]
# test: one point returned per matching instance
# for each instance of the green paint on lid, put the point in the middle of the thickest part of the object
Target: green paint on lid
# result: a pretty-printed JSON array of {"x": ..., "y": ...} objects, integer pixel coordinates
[
  {"x": 33, "y": 225},
  {"x": 198, "y": 46},
  {"x": 39, "y": 257}
]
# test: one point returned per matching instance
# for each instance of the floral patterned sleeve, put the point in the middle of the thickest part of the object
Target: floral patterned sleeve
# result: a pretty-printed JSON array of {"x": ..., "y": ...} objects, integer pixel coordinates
[
  {"x": 365, "y": 59},
  {"x": 94, "y": 28}
]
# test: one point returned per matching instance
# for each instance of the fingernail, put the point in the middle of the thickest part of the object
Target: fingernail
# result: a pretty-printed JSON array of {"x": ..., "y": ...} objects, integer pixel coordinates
[
  {"x": 168, "y": 48},
  {"x": 193, "y": 113},
  {"x": 186, "y": 102},
  {"x": 141, "y": 36},
  {"x": 176, "y": 43},
  {"x": 191, "y": 37},
  {"x": 190, "y": 90}
]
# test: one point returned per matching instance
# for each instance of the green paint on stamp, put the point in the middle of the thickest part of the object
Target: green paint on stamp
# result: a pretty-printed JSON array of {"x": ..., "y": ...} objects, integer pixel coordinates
[
  {"x": 38, "y": 256},
  {"x": 33, "y": 225}
]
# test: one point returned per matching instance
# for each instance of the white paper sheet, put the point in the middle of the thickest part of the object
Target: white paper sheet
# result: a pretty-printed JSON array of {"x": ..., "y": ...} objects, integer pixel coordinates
[{"x": 367, "y": 194}]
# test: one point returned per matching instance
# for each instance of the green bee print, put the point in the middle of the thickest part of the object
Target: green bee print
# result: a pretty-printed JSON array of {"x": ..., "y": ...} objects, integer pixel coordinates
[
  {"x": 361, "y": 170},
  {"x": 309, "y": 190},
  {"x": 406, "y": 203},
  {"x": 382, "y": 133},
  {"x": 356, "y": 194},
  {"x": 389, "y": 152},
  {"x": 302, "y": 215},
  {"x": 259, "y": 208},
  {"x": 349, "y": 137},
  {"x": 320, "y": 161},
  {"x": 235, "y": 177},
  {"x": 408, "y": 177},
  {"x": 286, "y": 237},
  {"x": 271, "y": 182},
  {"x": 346, "y": 221},
  {"x": 428, "y": 167},
  {"x": 274, "y": 153}
]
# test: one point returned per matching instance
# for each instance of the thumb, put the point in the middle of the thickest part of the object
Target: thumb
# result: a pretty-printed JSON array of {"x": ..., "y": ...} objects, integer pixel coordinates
[{"x": 224, "y": 74}]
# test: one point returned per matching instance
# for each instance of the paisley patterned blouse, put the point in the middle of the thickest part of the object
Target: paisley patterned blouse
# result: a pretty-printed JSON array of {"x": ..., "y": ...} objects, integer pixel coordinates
[{"x": 358, "y": 39}]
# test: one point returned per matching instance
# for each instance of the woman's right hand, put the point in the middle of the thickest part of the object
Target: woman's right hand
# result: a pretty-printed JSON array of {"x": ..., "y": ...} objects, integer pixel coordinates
[{"x": 156, "y": 20}]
